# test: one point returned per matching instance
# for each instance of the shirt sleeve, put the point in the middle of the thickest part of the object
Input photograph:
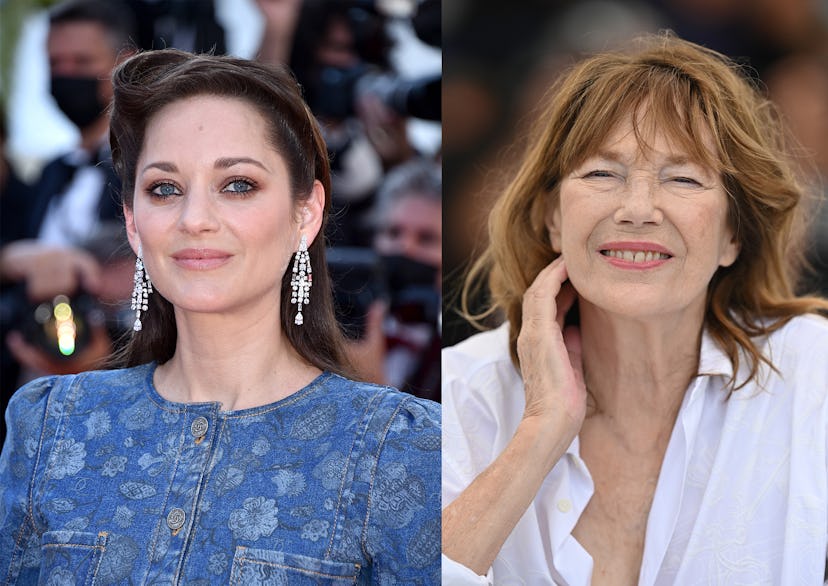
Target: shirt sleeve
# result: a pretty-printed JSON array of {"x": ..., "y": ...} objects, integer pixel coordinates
[
  {"x": 22, "y": 452},
  {"x": 469, "y": 429},
  {"x": 403, "y": 529},
  {"x": 456, "y": 574}
]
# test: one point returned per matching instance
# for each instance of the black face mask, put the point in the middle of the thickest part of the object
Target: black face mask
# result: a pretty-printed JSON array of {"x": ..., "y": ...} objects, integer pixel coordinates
[{"x": 77, "y": 97}]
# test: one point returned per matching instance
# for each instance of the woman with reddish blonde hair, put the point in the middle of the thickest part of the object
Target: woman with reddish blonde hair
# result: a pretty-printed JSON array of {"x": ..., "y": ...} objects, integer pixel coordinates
[{"x": 654, "y": 408}]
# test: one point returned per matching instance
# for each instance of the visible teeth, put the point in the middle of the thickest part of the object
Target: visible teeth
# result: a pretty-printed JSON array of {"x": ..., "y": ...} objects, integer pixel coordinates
[{"x": 637, "y": 256}]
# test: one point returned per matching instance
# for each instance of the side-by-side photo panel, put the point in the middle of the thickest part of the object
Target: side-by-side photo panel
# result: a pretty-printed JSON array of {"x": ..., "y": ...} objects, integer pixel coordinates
[
  {"x": 635, "y": 363},
  {"x": 220, "y": 291}
]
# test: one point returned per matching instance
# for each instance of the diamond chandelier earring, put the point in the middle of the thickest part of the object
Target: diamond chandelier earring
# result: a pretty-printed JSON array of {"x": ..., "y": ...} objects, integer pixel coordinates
[
  {"x": 301, "y": 281},
  {"x": 141, "y": 291}
]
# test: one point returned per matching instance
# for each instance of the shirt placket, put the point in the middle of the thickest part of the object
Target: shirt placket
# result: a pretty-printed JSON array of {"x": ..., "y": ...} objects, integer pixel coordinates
[
  {"x": 669, "y": 492},
  {"x": 178, "y": 524},
  {"x": 570, "y": 560}
]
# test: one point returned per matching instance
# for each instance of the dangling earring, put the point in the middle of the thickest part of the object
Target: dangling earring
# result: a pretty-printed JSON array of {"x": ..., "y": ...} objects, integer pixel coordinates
[
  {"x": 302, "y": 279},
  {"x": 141, "y": 291}
]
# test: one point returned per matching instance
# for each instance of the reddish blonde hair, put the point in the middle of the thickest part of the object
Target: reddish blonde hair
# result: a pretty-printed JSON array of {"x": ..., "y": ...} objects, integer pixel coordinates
[{"x": 689, "y": 92}]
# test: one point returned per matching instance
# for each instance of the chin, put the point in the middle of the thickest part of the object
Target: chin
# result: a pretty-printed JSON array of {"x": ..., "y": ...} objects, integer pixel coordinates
[{"x": 632, "y": 302}]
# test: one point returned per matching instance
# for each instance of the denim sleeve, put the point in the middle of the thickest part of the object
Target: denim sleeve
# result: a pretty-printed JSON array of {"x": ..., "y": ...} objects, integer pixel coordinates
[
  {"x": 403, "y": 530},
  {"x": 23, "y": 450}
]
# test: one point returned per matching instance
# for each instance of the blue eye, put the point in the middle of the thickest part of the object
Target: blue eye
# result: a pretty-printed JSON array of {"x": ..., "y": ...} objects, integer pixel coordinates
[
  {"x": 164, "y": 190},
  {"x": 240, "y": 186}
]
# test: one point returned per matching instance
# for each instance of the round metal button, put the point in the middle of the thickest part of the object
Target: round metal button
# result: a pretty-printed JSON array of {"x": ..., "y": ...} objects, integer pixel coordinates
[
  {"x": 176, "y": 518},
  {"x": 199, "y": 427}
]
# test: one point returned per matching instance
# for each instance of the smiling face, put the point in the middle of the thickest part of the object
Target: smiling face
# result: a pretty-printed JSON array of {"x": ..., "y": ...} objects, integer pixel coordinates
[
  {"x": 642, "y": 228},
  {"x": 213, "y": 211}
]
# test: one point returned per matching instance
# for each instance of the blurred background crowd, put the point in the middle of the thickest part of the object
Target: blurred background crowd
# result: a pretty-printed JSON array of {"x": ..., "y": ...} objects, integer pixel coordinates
[
  {"x": 500, "y": 57},
  {"x": 371, "y": 73}
]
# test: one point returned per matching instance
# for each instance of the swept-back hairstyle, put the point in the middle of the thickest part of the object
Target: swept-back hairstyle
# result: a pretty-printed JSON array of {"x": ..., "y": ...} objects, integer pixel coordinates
[
  {"x": 688, "y": 92},
  {"x": 150, "y": 81}
]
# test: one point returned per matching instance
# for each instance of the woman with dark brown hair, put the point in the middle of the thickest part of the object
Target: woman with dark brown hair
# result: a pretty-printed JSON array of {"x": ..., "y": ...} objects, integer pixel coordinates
[
  {"x": 654, "y": 409},
  {"x": 230, "y": 448}
]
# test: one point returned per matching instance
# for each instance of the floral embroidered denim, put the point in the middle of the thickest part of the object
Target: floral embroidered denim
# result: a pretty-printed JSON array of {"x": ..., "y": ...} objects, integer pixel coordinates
[{"x": 102, "y": 481}]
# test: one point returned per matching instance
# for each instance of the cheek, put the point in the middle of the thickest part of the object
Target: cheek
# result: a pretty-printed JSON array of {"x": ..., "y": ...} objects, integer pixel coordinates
[
  {"x": 575, "y": 224},
  {"x": 709, "y": 230}
]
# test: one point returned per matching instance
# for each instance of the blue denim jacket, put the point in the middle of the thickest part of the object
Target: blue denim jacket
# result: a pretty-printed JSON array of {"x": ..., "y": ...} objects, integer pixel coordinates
[{"x": 103, "y": 481}]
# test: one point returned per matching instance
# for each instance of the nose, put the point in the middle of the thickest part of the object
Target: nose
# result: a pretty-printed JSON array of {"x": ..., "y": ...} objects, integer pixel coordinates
[
  {"x": 408, "y": 244},
  {"x": 198, "y": 212},
  {"x": 638, "y": 205}
]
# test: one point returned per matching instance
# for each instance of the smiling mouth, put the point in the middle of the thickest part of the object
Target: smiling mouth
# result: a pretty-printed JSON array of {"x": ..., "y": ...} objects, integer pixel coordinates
[{"x": 636, "y": 256}]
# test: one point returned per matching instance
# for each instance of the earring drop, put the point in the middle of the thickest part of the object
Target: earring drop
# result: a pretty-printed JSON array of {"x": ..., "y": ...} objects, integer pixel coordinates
[
  {"x": 140, "y": 292},
  {"x": 301, "y": 280}
]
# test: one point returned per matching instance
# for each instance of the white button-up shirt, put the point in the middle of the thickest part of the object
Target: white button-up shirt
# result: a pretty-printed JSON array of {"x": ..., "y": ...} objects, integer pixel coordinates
[{"x": 742, "y": 496}]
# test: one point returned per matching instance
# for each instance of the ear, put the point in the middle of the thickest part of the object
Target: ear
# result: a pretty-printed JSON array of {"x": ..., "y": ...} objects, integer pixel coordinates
[
  {"x": 553, "y": 225},
  {"x": 131, "y": 230},
  {"x": 730, "y": 251},
  {"x": 311, "y": 212}
]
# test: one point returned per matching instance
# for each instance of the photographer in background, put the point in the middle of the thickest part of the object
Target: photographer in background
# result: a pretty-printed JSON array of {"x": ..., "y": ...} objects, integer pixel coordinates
[
  {"x": 401, "y": 343},
  {"x": 74, "y": 199},
  {"x": 341, "y": 57}
]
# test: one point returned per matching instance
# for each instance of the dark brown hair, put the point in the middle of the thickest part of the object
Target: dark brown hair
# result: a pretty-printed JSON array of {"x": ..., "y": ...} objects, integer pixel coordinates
[
  {"x": 150, "y": 81},
  {"x": 688, "y": 92}
]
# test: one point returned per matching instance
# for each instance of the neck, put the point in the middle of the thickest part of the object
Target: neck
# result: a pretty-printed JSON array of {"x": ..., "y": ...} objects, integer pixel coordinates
[
  {"x": 239, "y": 362},
  {"x": 637, "y": 371}
]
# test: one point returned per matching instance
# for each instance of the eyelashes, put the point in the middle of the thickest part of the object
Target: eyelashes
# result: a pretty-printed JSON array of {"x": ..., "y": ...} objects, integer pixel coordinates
[
  {"x": 682, "y": 180},
  {"x": 163, "y": 190},
  {"x": 166, "y": 189}
]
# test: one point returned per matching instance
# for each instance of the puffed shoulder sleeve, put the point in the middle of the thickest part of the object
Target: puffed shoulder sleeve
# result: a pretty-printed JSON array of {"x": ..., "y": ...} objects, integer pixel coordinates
[
  {"x": 27, "y": 444},
  {"x": 403, "y": 530}
]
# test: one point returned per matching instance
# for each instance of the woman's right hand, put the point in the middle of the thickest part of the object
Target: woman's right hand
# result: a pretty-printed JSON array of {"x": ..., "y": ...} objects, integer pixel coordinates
[
  {"x": 550, "y": 354},
  {"x": 478, "y": 521}
]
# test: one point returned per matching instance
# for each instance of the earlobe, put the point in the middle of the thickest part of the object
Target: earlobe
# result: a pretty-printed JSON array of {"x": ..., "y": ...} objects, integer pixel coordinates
[
  {"x": 730, "y": 253},
  {"x": 131, "y": 230},
  {"x": 553, "y": 225},
  {"x": 312, "y": 212}
]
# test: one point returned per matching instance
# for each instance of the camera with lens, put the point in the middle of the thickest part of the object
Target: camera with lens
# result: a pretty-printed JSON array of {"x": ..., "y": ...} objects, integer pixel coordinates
[
  {"x": 360, "y": 276},
  {"x": 332, "y": 89},
  {"x": 60, "y": 327}
]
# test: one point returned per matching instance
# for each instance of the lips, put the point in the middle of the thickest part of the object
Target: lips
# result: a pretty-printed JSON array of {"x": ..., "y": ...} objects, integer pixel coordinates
[
  {"x": 635, "y": 254},
  {"x": 200, "y": 258}
]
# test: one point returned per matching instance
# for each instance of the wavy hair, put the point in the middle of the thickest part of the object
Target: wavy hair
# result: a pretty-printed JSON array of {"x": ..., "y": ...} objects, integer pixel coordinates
[
  {"x": 150, "y": 81},
  {"x": 688, "y": 92}
]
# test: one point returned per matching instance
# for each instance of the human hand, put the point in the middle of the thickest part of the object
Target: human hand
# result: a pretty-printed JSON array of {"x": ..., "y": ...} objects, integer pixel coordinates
[
  {"x": 367, "y": 355},
  {"x": 385, "y": 129},
  {"x": 279, "y": 14},
  {"x": 550, "y": 355},
  {"x": 49, "y": 270},
  {"x": 35, "y": 359},
  {"x": 280, "y": 18}
]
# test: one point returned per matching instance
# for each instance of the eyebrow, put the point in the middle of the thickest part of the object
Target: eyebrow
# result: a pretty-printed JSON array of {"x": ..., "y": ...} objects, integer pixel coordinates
[
  {"x": 227, "y": 162},
  {"x": 222, "y": 163}
]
